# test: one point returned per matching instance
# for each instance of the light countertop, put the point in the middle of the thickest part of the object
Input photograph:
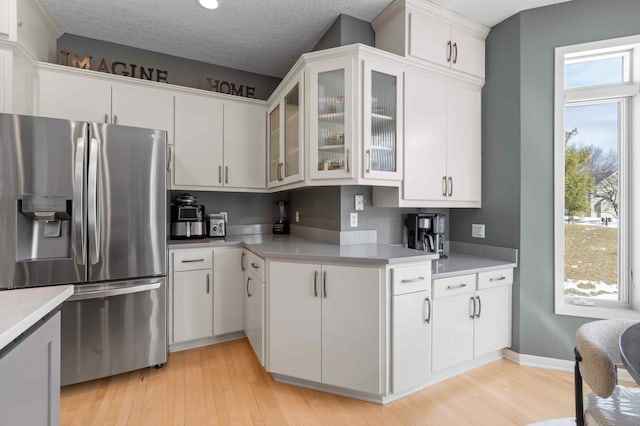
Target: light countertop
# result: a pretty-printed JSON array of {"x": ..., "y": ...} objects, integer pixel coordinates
[
  {"x": 290, "y": 247},
  {"x": 22, "y": 308},
  {"x": 464, "y": 263}
]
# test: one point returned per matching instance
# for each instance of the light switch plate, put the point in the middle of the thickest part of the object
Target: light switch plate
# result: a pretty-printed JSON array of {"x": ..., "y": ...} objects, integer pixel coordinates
[
  {"x": 354, "y": 220},
  {"x": 297, "y": 216},
  {"x": 359, "y": 202},
  {"x": 477, "y": 230}
]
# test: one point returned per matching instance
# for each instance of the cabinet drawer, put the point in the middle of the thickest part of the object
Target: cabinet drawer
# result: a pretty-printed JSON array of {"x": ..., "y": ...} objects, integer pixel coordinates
[
  {"x": 495, "y": 278},
  {"x": 255, "y": 265},
  {"x": 445, "y": 287},
  {"x": 411, "y": 279},
  {"x": 191, "y": 260}
]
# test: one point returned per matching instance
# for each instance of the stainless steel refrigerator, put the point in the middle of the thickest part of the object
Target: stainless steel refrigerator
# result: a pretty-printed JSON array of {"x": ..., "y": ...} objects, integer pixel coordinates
[{"x": 85, "y": 204}]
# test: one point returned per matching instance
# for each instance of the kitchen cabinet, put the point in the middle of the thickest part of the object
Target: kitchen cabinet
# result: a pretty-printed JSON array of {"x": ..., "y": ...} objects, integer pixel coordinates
[
  {"x": 471, "y": 317},
  {"x": 7, "y": 18},
  {"x": 218, "y": 144},
  {"x": 443, "y": 161},
  {"x": 191, "y": 291},
  {"x": 411, "y": 327},
  {"x": 227, "y": 290},
  {"x": 286, "y": 135},
  {"x": 68, "y": 95},
  {"x": 325, "y": 324},
  {"x": 254, "y": 302}
]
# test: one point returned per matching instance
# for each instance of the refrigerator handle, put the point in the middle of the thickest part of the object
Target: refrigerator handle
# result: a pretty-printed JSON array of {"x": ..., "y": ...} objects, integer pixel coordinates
[
  {"x": 92, "y": 201},
  {"x": 78, "y": 202}
]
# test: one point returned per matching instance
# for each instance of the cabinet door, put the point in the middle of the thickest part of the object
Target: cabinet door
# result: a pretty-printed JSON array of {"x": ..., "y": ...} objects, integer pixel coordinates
[
  {"x": 143, "y": 107},
  {"x": 382, "y": 105},
  {"x": 331, "y": 118},
  {"x": 227, "y": 290},
  {"x": 254, "y": 326},
  {"x": 452, "y": 340},
  {"x": 492, "y": 323},
  {"x": 468, "y": 53},
  {"x": 425, "y": 121},
  {"x": 244, "y": 145},
  {"x": 293, "y": 137},
  {"x": 294, "y": 320},
  {"x": 197, "y": 149},
  {"x": 192, "y": 305},
  {"x": 73, "y": 97},
  {"x": 429, "y": 39},
  {"x": 275, "y": 165},
  {"x": 464, "y": 154},
  {"x": 411, "y": 341},
  {"x": 351, "y": 328}
]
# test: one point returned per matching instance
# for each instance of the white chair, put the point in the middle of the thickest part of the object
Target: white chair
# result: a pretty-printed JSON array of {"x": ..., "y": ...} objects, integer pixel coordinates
[{"x": 597, "y": 358}]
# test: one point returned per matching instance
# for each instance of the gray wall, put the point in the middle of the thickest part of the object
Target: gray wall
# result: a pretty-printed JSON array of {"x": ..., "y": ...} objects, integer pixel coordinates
[
  {"x": 538, "y": 331},
  {"x": 319, "y": 207},
  {"x": 346, "y": 30},
  {"x": 181, "y": 71}
]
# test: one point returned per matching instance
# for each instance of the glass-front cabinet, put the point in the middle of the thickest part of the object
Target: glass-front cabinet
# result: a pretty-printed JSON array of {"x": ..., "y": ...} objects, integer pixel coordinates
[
  {"x": 331, "y": 118},
  {"x": 382, "y": 115},
  {"x": 286, "y": 136}
]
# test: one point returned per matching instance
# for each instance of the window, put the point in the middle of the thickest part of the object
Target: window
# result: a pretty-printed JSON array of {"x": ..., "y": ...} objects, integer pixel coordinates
[{"x": 596, "y": 103}]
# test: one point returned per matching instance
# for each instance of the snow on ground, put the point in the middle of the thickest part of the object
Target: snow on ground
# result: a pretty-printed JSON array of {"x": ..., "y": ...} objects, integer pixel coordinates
[{"x": 594, "y": 289}]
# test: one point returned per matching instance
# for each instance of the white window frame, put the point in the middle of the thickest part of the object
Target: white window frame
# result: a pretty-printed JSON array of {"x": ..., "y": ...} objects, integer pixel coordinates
[{"x": 625, "y": 94}]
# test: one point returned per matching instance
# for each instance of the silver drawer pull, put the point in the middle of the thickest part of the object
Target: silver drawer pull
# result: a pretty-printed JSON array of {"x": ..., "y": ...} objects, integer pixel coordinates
[
  {"x": 498, "y": 279},
  {"x": 254, "y": 265},
  {"x": 412, "y": 280},
  {"x": 451, "y": 287},
  {"x": 192, "y": 260}
]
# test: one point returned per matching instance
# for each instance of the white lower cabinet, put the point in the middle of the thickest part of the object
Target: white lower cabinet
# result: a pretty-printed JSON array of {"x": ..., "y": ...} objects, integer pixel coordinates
[
  {"x": 253, "y": 302},
  {"x": 325, "y": 324},
  {"x": 227, "y": 290},
  {"x": 471, "y": 317}
]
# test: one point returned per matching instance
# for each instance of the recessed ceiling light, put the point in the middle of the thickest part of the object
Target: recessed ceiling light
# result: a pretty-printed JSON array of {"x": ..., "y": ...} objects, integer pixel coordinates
[{"x": 208, "y": 4}]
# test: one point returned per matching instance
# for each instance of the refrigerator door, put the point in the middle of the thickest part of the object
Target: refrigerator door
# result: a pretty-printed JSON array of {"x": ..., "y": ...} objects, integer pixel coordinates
[
  {"x": 126, "y": 203},
  {"x": 112, "y": 328},
  {"x": 42, "y": 169}
]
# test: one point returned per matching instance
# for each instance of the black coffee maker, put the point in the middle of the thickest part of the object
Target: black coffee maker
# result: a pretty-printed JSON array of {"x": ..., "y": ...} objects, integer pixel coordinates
[
  {"x": 425, "y": 232},
  {"x": 282, "y": 224}
]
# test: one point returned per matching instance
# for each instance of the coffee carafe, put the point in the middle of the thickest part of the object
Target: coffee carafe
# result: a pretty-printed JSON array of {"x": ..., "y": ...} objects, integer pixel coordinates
[{"x": 426, "y": 232}]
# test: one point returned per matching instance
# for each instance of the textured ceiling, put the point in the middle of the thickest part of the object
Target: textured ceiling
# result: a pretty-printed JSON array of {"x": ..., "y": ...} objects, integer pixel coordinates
[{"x": 262, "y": 36}]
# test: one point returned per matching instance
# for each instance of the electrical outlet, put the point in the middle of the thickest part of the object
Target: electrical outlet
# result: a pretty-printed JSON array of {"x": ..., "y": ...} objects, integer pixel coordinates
[
  {"x": 477, "y": 230},
  {"x": 359, "y": 202},
  {"x": 297, "y": 216},
  {"x": 354, "y": 220},
  {"x": 224, "y": 214}
]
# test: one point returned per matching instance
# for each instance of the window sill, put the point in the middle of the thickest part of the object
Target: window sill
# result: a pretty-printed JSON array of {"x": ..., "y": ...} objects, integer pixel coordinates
[{"x": 597, "y": 312}]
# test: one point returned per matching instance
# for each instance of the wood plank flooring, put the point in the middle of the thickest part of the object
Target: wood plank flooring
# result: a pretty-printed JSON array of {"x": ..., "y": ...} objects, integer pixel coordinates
[{"x": 225, "y": 385}]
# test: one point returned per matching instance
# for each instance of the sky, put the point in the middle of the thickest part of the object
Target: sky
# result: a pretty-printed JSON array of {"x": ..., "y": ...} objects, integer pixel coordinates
[{"x": 597, "y": 124}]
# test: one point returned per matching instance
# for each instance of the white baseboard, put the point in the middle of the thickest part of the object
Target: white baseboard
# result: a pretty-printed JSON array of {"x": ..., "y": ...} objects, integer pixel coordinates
[
  {"x": 554, "y": 364},
  {"x": 192, "y": 344}
]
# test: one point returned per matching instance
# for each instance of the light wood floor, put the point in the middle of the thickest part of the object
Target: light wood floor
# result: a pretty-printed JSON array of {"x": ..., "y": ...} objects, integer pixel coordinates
[{"x": 224, "y": 384}]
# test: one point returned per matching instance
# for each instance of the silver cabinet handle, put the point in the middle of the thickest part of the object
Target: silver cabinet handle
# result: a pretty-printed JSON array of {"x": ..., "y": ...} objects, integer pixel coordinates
[
  {"x": 450, "y": 186},
  {"x": 498, "y": 279},
  {"x": 92, "y": 203},
  {"x": 455, "y": 52},
  {"x": 368, "y": 152},
  {"x": 243, "y": 259},
  {"x": 348, "y": 153},
  {"x": 324, "y": 283},
  {"x": 255, "y": 265},
  {"x": 452, "y": 287},
  {"x": 278, "y": 173},
  {"x": 315, "y": 284},
  {"x": 106, "y": 119},
  {"x": 444, "y": 186},
  {"x": 226, "y": 174},
  {"x": 78, "y": 201},
  {"x": 472, "y": 314},
  {"x": 427, "y": 317},
  {"x": 207, "y": 283},
  {"x": 412, "y": 280},
  {"x": 449, "y": 51},
  {"x": 219, "y": 174},
  {"x": 192, "y": 260},
  {"x": 115, "y": 119},
  {"x": 248, "y": 292},
  {"x": 479, "y": 307},
  {"x": 283, "y": 170}
]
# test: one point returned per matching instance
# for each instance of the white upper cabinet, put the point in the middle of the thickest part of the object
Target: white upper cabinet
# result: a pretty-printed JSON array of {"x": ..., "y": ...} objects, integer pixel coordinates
[
  {"x": 197, "y": 148},
  {"x": 244, "y": 145},
  {"x": 142, "y": 107},
  {"x": 286, "y": 135}
]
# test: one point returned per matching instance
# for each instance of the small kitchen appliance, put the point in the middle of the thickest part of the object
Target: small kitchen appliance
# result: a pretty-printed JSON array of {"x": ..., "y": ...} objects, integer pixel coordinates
[
  {"x": 282, "y": 223},
  {"x": 187, "y": 218},
  {"x": 217, "y": 226},
  {"x": 426, "y": 232}
]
